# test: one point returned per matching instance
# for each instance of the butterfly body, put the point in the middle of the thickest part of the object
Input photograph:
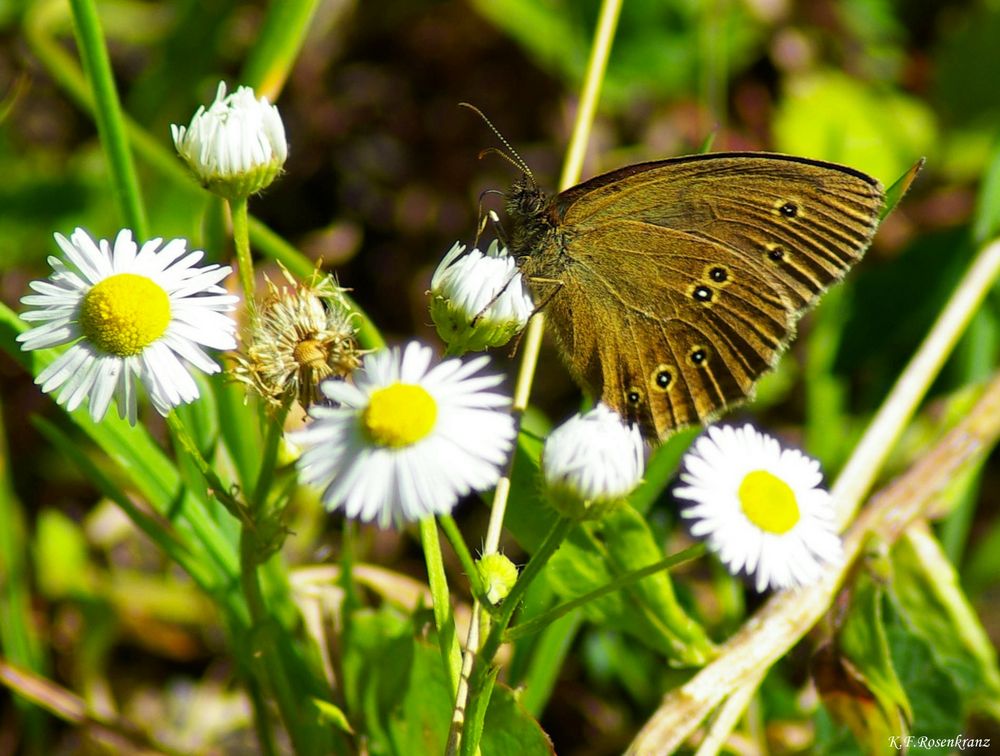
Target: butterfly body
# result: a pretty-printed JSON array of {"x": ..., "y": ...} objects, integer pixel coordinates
[{"x": 672, "y": 286}]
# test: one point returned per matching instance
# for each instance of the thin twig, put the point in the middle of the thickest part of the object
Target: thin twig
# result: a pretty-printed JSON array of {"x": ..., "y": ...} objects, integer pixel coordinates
[{"x": 69, "y": 707}]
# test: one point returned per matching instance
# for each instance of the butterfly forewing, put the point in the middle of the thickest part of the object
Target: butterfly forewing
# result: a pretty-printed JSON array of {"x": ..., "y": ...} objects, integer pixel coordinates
[{"x": 681, "y": 280}]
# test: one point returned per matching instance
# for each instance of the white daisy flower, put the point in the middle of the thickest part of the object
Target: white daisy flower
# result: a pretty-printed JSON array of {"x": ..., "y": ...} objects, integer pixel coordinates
[
  {"x": 760, "y": 507},
  {"x": 406, "y": 440},
  {"x": 236, "y": 147},
  {"x": 478, "y": 300},
  {"x": 132, "y": 313},
  {"x": 591, "y": 462}
]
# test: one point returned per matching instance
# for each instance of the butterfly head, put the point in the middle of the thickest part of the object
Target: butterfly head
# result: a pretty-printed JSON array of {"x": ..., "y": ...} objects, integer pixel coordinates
[{"x": 527, "y": 210}]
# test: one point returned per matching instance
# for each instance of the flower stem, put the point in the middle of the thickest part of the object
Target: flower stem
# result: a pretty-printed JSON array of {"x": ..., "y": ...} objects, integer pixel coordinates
[
  {"x": 549, "y": 546},
  {"x": 265, "y": 478},
  {"x": 268, "y": 646},
  {"x": 597, "y": 65},
  {"x": 255, "y": 656},
  {"x": 444, "y": 619},
  {"x": 483, "y": 673},
  {"x": 108, "y": 114},
  {"x": 241, "y": 238},
  {"x": 255, "y": 549},
  {"x": 454, "y": 536}
]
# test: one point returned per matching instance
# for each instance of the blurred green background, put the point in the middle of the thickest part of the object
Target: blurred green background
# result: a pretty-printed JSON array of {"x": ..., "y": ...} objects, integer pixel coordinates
[{"x": 384, "y": 174}]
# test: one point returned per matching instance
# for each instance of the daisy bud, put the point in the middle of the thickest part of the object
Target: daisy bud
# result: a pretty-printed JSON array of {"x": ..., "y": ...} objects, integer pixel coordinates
[
  {"x": 591, "y": 463},
  {"x": 498, "y": 574},
  {"x": 760, "y": 507},
  {"x": 235, "y": 148},
  {"x": 478, "y": 300}
]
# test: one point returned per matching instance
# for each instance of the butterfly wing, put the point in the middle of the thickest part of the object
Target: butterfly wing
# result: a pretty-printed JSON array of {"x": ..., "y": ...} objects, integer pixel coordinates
[{"x": 683, "y": 279}]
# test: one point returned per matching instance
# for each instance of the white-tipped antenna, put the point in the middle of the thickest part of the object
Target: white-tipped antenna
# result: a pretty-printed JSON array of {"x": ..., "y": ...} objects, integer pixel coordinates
[{"x": 511, "y": 154}]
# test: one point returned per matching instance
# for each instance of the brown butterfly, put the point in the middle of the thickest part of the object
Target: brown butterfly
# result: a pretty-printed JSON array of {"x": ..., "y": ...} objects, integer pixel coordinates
[{"x": 672, "y": 286}]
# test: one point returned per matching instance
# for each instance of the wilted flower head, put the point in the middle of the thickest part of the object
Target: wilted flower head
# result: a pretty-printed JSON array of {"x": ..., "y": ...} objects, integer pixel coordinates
[
  {"x": 760, "y": 507},
  {"x": 237, "y": 146},
  {"x": 300, "y": 335},
  {"x": 591, "y": 462},
  {"x": 478, "y": 300}
]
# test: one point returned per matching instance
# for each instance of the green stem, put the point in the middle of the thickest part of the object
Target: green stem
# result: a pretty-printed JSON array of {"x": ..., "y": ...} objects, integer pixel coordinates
[
  {"x": 483, "y": 673},
  {"x": 268, "y": 645},
  {"x": 241, "y": 238},
  {"x": 597, "y": 65},
  {"x": 259, "y": 657},
  {"x": 545, "y": 619},
  {"x": 108, "y": 114},
  {"x": 275, "y": 430},
  {"x": 560, "y": 529},
  {"x": 271, "y": 644},
  {"x": 263, "y": 659},
  {"x": 454, "y": 536},
  {"x": 444, "y": 619},
  {"x": 219, "y": 489}
]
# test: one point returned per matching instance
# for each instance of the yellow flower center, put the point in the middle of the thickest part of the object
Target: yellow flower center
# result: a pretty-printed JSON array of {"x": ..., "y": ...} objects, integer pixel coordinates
[
  {"x": 399, "y": 415},
  {"x": 124, "y": 314},
  {"x": 768, "y": 502}
]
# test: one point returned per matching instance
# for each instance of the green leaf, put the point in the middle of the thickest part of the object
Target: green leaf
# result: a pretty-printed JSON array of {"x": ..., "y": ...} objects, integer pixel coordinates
[
  {"x": 543, "y": 657},
  {"x": 647, "y": 610},
  {"x": 240, "y": 432},
  {"x": 661, "y": 468},
  {"x": 616, "y": 661},
  {"x": 856, "y": 677},
  {"x": 397, "y": 683},
  {"x": 936, "y": 701},
  {"x": 510, "y": 729},
  {"x": 378, "y": 652},
  {"x": 930, "y": 601},
  {"x": 900, "y": 187},
  {"x": 529, "y": 516},
  {"x": 333, "y": 715}
]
